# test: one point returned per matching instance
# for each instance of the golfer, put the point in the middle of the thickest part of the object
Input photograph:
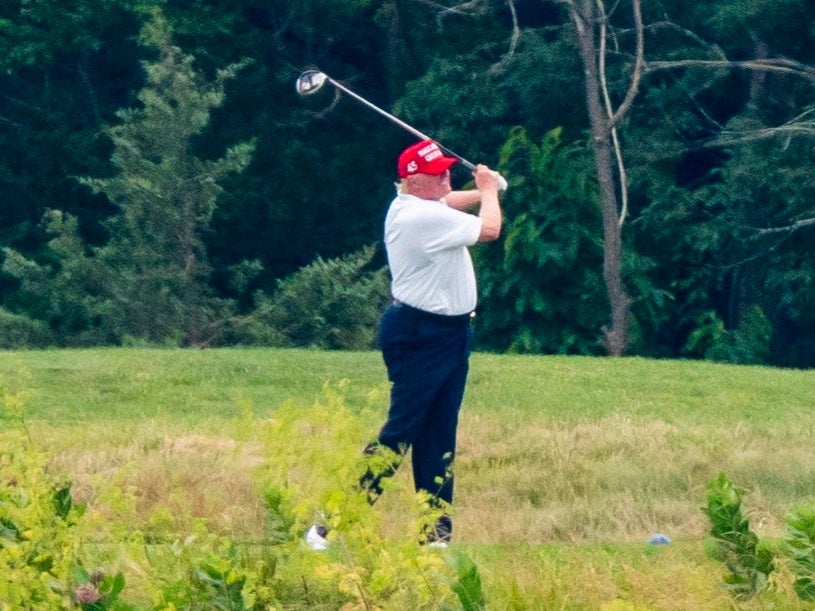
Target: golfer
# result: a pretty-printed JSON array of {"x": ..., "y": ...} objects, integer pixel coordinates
[{"x": 425, "y": 333}]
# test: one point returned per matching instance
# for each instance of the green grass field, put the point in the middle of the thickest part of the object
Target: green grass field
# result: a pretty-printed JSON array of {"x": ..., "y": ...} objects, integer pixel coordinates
[{"x": 565, "y": 466}]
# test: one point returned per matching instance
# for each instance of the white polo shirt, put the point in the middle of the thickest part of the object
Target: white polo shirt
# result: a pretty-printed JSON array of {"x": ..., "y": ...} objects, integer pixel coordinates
[{"x": 430, "y": 264}]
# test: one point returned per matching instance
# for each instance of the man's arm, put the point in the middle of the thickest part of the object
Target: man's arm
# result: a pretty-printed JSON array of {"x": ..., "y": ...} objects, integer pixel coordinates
[{"x": 462, "y": 200}]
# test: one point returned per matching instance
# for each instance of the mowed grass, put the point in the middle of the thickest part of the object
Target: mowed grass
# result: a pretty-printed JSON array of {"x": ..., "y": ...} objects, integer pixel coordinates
[{"x": 565, "y": 464}]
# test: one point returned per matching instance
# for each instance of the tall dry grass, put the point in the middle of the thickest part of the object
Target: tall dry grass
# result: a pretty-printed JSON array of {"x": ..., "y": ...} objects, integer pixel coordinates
[{"x": 519, "y": 478}]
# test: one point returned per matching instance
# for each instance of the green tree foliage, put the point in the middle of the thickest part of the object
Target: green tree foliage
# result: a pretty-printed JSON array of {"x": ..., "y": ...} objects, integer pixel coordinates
[
  {"x": 768, "y": 245},
  {"x": 166, "y": 197},
  {"x": 21, "y": 331},
  {"x": 540, "y": 283},
  {"x": 69, "y": 292},
  {"x": 717, "y": 152},
  {"x": 66, "y": 67},
  {"x": 749, "y": 343},
  {"x": 322, "y": 172},
  {"x": 720, "y": 192}
]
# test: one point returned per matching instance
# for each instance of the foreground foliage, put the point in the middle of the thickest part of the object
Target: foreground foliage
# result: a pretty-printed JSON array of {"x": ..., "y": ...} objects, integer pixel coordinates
[
  {"x": 751, "y": 561},
  {"x": 44, "y": 537},
  {"x": 198, "y": 477},
  {"x": 41, "y": 547}
]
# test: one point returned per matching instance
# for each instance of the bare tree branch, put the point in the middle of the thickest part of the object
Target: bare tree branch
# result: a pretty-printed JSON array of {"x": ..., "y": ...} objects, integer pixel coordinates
[
  {"x": 472, "y": 7},
  {"x": 516, "y": 31},
  {"x": 783, "y": 233},
  {"x": 801, "y": 125},
  {"x": 787, "y": 228},
  {"x": 10, "y": 122},
  {"x": 513, "y": 41},
  {"x": 639, "y": 61},
  {"x": 618, "y": 154},
  {"x": 636, "y": 77},
  {"x": 711, "y": 47},
  {"x": 778, "y": 65}
]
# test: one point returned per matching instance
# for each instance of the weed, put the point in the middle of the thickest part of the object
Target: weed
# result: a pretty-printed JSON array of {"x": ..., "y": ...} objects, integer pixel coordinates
[
  {"x": 40, "y": 559},
  {"x": 750, "y": 561},
  {"x": 16, "y": 395},
  {"x": 468, "y": 582},
  {"x": 799, "y": 546}
]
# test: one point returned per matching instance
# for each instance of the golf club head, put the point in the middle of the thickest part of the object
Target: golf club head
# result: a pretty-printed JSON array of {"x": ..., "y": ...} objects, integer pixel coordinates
[{"x": 310, "y": 81}]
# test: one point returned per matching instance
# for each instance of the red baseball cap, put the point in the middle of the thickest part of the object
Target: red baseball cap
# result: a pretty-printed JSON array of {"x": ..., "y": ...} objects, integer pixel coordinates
[{"x": 424, "y": 157}]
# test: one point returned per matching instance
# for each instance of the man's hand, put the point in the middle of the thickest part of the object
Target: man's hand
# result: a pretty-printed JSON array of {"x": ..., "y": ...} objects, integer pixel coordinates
[
  {"x": 485, "y": 178},
  {"x": 490, "y": 212}
]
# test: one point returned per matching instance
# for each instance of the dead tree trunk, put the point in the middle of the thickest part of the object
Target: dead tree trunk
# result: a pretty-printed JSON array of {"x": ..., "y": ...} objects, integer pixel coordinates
[{"x": 589, "y": 19}]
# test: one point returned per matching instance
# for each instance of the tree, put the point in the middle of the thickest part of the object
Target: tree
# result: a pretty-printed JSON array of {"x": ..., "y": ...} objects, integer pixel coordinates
[
  {"x": 68, "y": 292},
  {"x": 540, "y": 285},
  {"x": 591, "y": 24},
  {"x": 728, "y": 91},
  {"x": 165, "y": 196},
  {"x": 329, "y": 305},
  {"x": 66, "y": 67}
]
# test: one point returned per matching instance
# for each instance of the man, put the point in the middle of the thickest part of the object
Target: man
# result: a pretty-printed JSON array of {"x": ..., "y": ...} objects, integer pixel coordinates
[{"x": 425, "y": 333}]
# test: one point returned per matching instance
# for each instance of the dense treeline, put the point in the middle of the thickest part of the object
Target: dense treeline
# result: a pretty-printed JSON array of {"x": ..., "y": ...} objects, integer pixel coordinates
[{"x": 162, "y": 182}]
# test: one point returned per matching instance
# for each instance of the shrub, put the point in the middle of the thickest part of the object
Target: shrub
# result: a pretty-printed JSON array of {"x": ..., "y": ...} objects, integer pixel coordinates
[
  {"x": 750, "y": 560},
  {"x": 748, "y": 344},
  {"x": 40, "y": 566},
  {"x": 333, "y": 305},
  {"x": 17, "y": 331}
]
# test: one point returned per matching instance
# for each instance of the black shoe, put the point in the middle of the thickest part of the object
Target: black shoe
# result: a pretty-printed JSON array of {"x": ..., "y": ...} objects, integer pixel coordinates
[{"x": 441, "y": 534}]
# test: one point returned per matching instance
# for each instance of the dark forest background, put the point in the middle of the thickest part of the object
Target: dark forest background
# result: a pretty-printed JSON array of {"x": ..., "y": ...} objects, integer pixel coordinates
[{"x": 162, "y": 183}]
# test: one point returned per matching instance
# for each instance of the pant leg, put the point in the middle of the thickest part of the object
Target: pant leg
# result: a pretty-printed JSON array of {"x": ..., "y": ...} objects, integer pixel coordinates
[
  {"x": 427, "y": 364},
  {"x": 434, "y": 448},
  {"x": 422, "y": 356},
  {"x": 382, "y": 463}
]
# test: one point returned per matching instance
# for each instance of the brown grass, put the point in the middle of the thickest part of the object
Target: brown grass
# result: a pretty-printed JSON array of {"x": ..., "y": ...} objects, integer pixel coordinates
[
  {"x": 518, "y": 479},
  {"x": 171, "y": 479}
]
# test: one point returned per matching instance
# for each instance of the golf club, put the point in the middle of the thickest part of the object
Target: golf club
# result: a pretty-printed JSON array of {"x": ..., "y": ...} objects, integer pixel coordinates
[{"x": 311, "y": 81}]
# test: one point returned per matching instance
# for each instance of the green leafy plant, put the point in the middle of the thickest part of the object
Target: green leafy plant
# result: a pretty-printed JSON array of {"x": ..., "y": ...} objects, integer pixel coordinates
[
  {"x": 733, "y": 542},
  {"x": 544, "y": 269},
  {"x": 468, "y": 584},
  {"x": 97, "y": 591},
  {"x": 314, "y": 461},
  {"x": 40, "y": 555},
  {"x": 20, "y": 330},
  {"x": 799, "y": 546},
  {"x": 207, "y": 571},
  {"x": 15, "y": 396},
  {"x": 749, "y": 343}
]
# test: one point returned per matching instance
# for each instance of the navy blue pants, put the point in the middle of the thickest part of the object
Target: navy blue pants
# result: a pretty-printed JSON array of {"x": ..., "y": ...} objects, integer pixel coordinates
[{"x": 427, "y": 357}]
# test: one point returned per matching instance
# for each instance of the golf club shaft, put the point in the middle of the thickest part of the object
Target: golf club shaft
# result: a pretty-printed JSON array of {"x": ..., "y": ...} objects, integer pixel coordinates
[{"x": 470, "y": 166}]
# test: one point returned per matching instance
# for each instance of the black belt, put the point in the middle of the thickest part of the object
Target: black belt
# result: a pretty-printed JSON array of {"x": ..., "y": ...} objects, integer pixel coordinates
[{"x": 456, "y": 319}]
